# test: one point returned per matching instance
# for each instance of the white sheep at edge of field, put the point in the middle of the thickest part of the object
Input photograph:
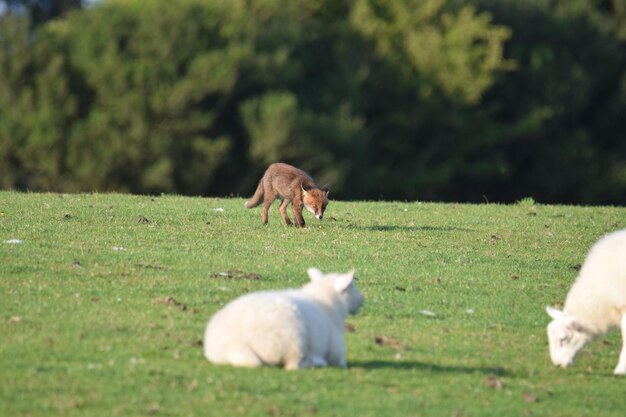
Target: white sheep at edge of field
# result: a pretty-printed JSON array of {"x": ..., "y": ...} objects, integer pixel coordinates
[
  {"x": 295, "y": 328},
  {"x": 595, "y": 304}
]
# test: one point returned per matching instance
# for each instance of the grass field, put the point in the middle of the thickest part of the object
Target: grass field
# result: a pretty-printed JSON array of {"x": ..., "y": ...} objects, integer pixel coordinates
[{"x": 104, "y": 300}]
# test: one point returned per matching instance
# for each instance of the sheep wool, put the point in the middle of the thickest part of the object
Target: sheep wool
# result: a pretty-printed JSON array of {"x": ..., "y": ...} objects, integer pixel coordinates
[
  {"x": 294, "y": 328},
  {"x": 595, "y": 304}
]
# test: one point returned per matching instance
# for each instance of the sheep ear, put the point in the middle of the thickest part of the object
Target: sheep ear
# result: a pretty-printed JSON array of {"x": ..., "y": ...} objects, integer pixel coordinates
[
  {"x": 343, "y": 281},
  {"x": 315, "y": 274},
  {"x": 554, "y": 313}
]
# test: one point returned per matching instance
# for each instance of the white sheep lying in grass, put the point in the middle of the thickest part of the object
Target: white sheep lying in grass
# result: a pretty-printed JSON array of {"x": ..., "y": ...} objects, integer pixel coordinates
[
  {"x": 296, "y": 328},
  {"x": 595, "y": 304}
]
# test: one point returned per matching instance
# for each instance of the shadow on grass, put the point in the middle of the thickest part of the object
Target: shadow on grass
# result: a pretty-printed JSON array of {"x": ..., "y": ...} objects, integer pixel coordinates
[
  {"x": 412, "y": 365},
  {"x": 395, "y": 227}
]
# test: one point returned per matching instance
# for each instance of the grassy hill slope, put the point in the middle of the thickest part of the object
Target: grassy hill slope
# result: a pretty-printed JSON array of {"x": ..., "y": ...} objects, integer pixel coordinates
[{"x": 104, "y": 299}]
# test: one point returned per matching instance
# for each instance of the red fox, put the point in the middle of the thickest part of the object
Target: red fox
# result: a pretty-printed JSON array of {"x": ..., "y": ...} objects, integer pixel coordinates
[{"x": 291, "y": 185}]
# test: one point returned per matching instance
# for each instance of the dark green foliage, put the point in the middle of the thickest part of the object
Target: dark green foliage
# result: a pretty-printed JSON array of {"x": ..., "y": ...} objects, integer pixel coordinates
[
  {"x": 402, "y": 99},
  {"x": 567, "y": 99}
]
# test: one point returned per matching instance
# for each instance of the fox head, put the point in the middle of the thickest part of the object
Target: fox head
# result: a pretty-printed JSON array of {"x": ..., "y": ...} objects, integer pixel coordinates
[{"x": 315, "y": 200}]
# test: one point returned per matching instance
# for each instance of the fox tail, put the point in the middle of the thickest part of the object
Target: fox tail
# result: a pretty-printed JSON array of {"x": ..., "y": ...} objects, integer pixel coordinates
[{"x": 257, "y": 198}]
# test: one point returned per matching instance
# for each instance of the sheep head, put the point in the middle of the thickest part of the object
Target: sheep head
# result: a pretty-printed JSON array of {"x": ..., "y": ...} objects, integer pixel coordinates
[
  {"x": 565, "y": 336},
  {"x": 344, "y": 285}
]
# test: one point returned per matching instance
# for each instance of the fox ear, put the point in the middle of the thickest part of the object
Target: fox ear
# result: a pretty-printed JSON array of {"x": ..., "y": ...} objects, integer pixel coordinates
[
  {"x": 305, "y": 189},
  {"x": 326, "y": 189},
  {"x": 315, "y": 274},
  {"x": 343, "y": 281},
  {"x": 554, "y": 313}
]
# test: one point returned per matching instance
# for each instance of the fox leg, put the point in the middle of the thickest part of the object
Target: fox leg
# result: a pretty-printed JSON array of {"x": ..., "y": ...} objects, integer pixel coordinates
[
  {"x": 620, "y": 369},
  {"x": 266, "y": 208},
  {"x": 283, "y": 211},
  {"x": 296, "y": 205},
  {"x": 268, "y": 198}
]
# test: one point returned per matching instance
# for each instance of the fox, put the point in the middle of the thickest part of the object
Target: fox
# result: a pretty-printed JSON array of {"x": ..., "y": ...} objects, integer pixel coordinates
[{"x": 290, "y": 185}]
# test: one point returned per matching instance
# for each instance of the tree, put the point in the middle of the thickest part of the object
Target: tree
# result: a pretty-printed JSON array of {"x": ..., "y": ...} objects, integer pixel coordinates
[{"x": 41, "y": 11}]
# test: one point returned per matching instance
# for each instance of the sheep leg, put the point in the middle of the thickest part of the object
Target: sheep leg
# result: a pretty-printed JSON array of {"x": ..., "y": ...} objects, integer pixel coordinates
[
  {"x": 244, "y": 357},
  {"x": 309, "y": 362},
  {"x": 620, "y": 369},
  {"x": 318, "y": 362}
]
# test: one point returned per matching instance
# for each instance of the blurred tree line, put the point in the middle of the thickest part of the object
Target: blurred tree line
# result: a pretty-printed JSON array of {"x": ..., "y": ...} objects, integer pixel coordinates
[{"x": 397, "y": 99}]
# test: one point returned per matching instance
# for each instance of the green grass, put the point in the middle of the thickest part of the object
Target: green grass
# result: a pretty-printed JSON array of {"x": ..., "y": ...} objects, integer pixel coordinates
[{"x": 87, "y": 329}]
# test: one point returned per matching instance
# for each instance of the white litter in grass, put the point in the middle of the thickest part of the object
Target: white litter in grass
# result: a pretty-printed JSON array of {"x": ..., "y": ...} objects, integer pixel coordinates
[
  {"x": 470, "y": 311},
  {"x": 119, "y": 248},
  {"x": 136, "y": 361},
  {"x": 14, "y": 241},
  {"x": 427, "y": 313},
  {"x": 218, "y": 209}
]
